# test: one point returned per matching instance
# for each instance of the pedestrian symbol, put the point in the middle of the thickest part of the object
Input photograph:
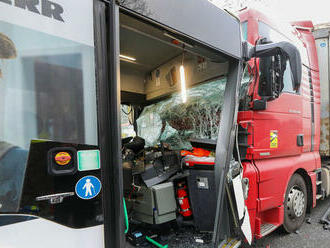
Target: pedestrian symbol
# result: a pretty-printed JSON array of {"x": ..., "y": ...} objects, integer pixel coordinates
[{"x": 88, "y": 187}]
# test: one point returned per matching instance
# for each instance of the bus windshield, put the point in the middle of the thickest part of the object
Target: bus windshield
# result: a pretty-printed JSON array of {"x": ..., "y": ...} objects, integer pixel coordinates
[{"x": 175, "y": 123}]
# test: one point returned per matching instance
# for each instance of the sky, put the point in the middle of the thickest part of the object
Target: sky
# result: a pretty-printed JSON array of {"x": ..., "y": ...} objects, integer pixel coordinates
[
  {"x": 316, "y": 10},
  {"x": 289, "y": 10}
]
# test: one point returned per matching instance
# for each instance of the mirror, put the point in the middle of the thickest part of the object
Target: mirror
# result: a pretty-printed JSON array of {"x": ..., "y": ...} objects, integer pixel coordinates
[
  {"x": 274, "y": 58},
  {"x": 271, "y": 76}
]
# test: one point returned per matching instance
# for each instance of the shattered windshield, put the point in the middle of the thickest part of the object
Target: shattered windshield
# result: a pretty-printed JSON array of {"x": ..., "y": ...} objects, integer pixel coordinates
[{"x": 174, "y": 123}]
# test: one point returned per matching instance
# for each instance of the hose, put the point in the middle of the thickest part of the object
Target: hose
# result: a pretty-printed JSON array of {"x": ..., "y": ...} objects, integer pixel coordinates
[
  {"x": 155, "y": 243},
  {"x": 126, "y": 216},
  {"x": 147, "y": 238}
]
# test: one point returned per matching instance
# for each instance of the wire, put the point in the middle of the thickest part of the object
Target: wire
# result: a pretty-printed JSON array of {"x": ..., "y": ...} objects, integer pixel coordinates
[
  {"x": 129, "y": 114},
  {"x": 130, "y": 109}
]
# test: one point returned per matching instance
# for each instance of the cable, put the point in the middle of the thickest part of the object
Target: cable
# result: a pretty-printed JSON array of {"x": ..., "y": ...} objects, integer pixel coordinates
[
  {"x": 130, "y": 110},
  {"x": 126, "y": 216},
  {"x": 129, "y": 114}
]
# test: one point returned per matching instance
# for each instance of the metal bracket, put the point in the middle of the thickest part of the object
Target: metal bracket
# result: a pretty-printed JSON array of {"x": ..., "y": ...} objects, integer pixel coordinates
[{"x": 54, "y": 198}]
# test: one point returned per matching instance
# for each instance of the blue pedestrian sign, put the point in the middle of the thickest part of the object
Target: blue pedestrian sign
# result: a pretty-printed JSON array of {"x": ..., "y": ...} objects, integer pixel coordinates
[
  {"x": 323, "y": 44},
  {"x": 88, "y": 187}
]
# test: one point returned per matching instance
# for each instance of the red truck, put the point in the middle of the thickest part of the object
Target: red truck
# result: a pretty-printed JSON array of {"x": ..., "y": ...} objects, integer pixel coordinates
[{"x": 280, "y": 145}]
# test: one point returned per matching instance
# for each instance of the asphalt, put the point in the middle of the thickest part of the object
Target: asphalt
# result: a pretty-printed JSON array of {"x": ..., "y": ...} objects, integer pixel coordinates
[{"x": 309, "y": 235}]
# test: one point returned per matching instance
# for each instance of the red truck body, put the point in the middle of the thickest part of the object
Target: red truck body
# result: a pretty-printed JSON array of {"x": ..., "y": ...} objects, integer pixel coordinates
[{"x": 269, "y": 166}]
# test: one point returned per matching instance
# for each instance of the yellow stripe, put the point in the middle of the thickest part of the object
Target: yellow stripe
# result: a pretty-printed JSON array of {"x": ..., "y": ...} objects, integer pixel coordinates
[
  {"x": 235, "y": 242},
  {"x": 227, "y": 242}
]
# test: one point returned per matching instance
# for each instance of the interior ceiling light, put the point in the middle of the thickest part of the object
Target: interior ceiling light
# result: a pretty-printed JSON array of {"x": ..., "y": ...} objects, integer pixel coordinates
[
  {"x": 127, "y": 57},
  {"x": 183, "y": 80},
  {"x": 183, "y": 84}
]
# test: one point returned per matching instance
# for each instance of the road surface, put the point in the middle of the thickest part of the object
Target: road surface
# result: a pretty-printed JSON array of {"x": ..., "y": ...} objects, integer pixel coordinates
[{"x": 309, "y": 235}]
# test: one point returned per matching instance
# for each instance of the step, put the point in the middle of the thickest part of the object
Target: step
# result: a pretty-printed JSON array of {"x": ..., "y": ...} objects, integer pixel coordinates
[
  {"x": 267, "y": 228},
  {"x": 230, "y": 243}
]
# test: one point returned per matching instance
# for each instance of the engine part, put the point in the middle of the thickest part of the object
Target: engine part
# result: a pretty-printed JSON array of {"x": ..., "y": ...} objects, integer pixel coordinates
[
  {"x": 161, "y": 167},
  {"x": 135, "y": 144},
  {"x": 156, "y": 205}
]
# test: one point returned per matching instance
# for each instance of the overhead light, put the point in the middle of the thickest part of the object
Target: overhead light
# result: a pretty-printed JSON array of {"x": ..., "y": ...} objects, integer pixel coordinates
[
  {"x": 183, "y": 84},
  {"x": 127, "y": 57}
]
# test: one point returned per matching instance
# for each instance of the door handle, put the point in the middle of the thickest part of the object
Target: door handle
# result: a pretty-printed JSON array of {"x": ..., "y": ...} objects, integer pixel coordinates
[{"x": 300, "y": 140}]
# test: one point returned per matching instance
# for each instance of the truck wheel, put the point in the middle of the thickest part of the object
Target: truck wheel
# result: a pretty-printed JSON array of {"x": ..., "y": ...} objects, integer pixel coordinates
[{"x": 295, "y": 204}]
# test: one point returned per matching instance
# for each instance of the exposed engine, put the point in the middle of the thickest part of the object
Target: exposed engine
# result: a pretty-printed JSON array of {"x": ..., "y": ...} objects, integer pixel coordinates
[{"x": 162, "y": 185}]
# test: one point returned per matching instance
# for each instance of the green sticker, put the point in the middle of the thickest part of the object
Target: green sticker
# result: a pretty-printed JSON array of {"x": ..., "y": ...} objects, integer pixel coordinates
[{"x": 88, "y": 160}]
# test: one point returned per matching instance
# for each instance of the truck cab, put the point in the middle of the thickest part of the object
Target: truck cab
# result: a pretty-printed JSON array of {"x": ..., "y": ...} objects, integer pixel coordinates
[{"x": 279, "y": 133}]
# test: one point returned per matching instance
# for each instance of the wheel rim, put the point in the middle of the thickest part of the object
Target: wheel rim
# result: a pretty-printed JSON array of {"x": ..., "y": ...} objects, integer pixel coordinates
[{"x": 295, "y": 202}]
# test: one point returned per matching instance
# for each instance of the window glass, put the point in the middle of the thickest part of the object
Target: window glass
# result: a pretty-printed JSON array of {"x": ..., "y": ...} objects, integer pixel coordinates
[
  {"x": 272, "y": 35},
  {"x": 243, "y": 91},
  {"x": 266, "y": 31},
  {"x": 287, "y": 79},
  {"x": 47, "y": 88},
  {"x": 244, "y": 27},
  {"x": 47, "y": 91}
]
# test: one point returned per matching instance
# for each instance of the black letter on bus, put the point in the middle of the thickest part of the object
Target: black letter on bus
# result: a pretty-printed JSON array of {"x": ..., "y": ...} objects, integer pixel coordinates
[
  {"x": 30, "y": 4},
  {"x": 51, "y": 9}
]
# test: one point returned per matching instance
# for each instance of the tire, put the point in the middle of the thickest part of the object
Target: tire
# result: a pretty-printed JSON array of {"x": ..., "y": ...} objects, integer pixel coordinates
[{"x": 295, "y": 204}]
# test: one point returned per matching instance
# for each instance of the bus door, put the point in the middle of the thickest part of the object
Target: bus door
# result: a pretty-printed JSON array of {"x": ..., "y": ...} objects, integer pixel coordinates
[{"x": 50, "y": 169}]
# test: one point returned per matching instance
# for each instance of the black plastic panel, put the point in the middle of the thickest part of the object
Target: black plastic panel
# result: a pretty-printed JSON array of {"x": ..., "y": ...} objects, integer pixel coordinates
[
  {"x": 73, "y": 211},
  {"x": 202, "y": 196}
]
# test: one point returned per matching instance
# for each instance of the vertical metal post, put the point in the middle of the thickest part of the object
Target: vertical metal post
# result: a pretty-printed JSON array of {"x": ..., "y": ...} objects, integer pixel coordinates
[
  {"x": 225, "y": 145},
  {"x": 107, "y": 58}
]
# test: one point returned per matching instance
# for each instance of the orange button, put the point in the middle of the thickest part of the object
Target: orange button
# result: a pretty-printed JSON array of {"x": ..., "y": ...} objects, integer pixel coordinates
[{"x": 62, "y": 158}]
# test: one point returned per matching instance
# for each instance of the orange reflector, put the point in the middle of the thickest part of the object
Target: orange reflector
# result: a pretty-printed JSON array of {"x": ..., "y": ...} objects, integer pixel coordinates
[
  {"x": 62, "y": 158},
  {"x": 176, "y": 42}
]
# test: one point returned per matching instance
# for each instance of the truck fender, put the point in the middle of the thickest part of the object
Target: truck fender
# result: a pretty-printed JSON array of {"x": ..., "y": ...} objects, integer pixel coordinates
[{"x": 310, "y": 190}]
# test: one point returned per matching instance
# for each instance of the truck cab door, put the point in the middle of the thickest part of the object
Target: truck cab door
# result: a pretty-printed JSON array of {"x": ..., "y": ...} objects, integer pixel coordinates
[{"x": 279, "y": 128}]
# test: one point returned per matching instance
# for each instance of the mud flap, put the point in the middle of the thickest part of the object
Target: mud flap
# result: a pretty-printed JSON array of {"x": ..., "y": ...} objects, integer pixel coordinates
[{"x": 242, "y": 211}]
